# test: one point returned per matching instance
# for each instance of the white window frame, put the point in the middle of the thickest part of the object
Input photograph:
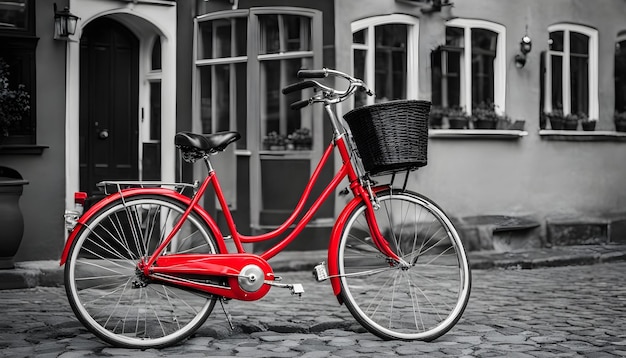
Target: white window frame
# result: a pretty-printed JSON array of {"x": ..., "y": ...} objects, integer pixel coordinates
[
  {"x": 594, "y": 107},
  {"x": 412, "y": 52},
  {"x": 499, "y": 66}
]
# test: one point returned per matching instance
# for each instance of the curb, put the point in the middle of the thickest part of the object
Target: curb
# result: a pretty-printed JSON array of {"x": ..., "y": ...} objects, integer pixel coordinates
[{"x": 31, "y": 274}]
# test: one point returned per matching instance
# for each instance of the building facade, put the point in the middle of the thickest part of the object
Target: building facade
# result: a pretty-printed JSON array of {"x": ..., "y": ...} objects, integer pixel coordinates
[{"x": 219, "y": 65}]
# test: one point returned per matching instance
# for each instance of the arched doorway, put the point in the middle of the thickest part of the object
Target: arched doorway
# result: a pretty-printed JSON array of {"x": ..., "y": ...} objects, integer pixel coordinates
[{"x": 109, "y": 96}]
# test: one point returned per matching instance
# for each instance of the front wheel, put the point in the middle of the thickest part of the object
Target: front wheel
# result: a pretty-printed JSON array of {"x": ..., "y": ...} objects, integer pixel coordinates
[
  {"x": 420, "y": 300},
  {"x": 107, "y": 292}
]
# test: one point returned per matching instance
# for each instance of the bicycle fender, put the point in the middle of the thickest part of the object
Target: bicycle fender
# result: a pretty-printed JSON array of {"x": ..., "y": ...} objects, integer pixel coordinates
[
  {"x": 133, "y": 192},
  {"x": 335, "y": 237}
]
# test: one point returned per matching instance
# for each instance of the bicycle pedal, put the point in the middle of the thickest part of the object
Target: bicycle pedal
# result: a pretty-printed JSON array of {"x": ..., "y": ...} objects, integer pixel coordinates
[
  {"x": 320, "y": 273},
  {"x": 297, "y": 289}
]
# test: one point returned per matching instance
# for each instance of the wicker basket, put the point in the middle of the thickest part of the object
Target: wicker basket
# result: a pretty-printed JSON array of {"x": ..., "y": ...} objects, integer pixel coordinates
[{"x": 391, "y": 136}]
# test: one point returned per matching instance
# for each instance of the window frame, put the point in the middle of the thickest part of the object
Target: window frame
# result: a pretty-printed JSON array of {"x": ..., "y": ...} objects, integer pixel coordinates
[
  {"x": 566, "y": 73},
  {"x": 412, "y": 51},
  {"x": 499, "y": 66},
  {"x": 620, "y": 38}
]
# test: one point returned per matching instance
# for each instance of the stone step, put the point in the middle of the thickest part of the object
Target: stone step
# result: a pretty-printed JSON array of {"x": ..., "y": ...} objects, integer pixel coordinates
[
  {"x": 499, "y": 233},
  {"x": 565, "y": 231}
]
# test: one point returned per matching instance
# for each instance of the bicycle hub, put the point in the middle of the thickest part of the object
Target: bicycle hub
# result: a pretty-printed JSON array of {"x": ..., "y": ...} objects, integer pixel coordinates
[{"x": 251, "y": 278}]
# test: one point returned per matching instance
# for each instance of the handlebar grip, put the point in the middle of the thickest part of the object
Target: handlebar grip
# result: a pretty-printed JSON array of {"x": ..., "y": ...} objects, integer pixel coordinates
[
  {"x": 312, "y": 73},
  {"x": 299, "y": 104},
  {"x": 298, "y": 86}
]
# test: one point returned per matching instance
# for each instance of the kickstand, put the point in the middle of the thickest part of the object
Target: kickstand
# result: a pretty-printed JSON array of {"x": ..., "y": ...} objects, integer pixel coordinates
[{"x": 229, "y": 318}]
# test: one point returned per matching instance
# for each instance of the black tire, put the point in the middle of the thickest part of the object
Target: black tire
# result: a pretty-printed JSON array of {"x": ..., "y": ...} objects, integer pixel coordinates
[
  {"x": 111, "y": 298},
  {"x": 421, "y": 300}
]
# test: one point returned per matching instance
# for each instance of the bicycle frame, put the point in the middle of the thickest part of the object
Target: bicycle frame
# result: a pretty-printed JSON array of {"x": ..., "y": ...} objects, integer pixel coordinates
[{"x": 230, "y": 265}]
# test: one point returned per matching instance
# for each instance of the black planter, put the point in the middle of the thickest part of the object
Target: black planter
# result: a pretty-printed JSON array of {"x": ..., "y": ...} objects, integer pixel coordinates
[
  {"x": 570, "y": 125},
  {"x": 485, "y": 124},
  {"x": 556, "y": 123},
  {"x": 620, "y": 126},
  {"x": 457, "y": 122},
  {"x": 589, "y": 126},
  {"x": 11, "y": 219}
]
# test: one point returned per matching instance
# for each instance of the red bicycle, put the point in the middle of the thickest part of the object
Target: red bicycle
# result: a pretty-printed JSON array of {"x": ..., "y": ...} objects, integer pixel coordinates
[{"x": 146, "y": 265}]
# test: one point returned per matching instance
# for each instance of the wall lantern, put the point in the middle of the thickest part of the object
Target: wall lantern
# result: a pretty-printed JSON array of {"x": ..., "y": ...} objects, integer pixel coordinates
[
  {"x": 524, "y": 46},
  {"x": 64, "y": 23}
]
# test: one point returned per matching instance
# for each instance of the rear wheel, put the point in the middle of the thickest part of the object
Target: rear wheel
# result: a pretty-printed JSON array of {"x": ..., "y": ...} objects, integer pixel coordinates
[
  {"x": 421, "y": 300},
  {"x": 111, "y": 297}
]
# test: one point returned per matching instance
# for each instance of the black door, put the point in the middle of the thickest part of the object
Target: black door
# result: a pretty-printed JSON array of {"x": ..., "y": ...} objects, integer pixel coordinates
[{"x": 109, "y": 86}]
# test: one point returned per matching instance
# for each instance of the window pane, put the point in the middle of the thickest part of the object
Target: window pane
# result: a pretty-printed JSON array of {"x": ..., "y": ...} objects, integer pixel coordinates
[
  {"x": 580, "y": 84},
  {"x": 217, "y": 82},
  {"x": 359, "y": 37},
  {"x": 156, "y": 54},
  {"x": 270, "y": 35},
  {"x": 216, "y": 38},
  {"x": 360, "y": 98},
  {"x": 298, "y": 33},
  {"x": 556, "y": 41},
  {"x": 454, "y": 36},
  {"x": 279, "y": 122},
  {"x": 620, "y": 76},
  {"x": 579, "y": 43},
  {"x": 155, "y": 110},
  {"x": 557, "y": 82},
  {"x": 483, "y": 57},
  {"x": 390, "y": 66},
  {"x": 436, "y": 77},
  {"x": 14, "y": 14},
  {"x": 452, "y": 79}
]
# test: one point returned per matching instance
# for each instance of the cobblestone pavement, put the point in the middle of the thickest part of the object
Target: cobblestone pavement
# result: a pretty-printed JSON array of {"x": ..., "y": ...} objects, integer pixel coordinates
[{"x": 548, "y": 312}]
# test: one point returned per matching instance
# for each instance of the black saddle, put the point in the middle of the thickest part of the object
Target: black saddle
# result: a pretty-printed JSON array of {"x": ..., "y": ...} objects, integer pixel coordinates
[{"x": 206, "y": 143}]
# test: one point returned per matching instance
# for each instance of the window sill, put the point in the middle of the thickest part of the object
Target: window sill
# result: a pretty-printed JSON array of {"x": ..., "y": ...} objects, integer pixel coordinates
[
  {"x": 583, "y": 136},
  {"x": 507, "y": 134},
  {"x": 26, "y": 149}
]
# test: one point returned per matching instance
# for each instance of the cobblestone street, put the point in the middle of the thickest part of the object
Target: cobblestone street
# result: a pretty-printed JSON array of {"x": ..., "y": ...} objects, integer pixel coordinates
[{"x": 548, "y": 312}]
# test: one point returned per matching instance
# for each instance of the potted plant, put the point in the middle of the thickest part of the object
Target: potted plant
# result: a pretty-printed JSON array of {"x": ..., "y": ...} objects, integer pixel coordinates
[
  {"x": 302, "y": 139},
  {"x": 588, "y": 124},
  {"x": 484, "y": 116},
  {"x": 14, "y": 104},
  {"x": 570, "y": 121},
  {"x": 620, "y": 121},
  {"x": 457, "y": 118},
  {"x": 556, "y": 118},
  {"x": 275, "y": 141},
  {"x": 435, "y": 118}
]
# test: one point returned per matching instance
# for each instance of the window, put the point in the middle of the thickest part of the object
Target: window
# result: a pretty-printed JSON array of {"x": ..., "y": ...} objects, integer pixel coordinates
[
  {"x": 468, "y": 70},
  {"x": 151, "y": 128},
  {"x": 384, "y": 50},
  {"x": 17, "y": 51},
  {"x": 571, "y": 68},
  {"x": 284, "y": 48},
  {"x": 620, "y": 74},
  {"x": 222, "y": 61},
  {"x": 281, "y": 42},
  {"x": 17, "y": 16}
]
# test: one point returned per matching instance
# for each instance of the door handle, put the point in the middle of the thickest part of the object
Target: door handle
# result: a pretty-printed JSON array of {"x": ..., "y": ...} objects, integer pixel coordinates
[{"x": 104, "y": 134}]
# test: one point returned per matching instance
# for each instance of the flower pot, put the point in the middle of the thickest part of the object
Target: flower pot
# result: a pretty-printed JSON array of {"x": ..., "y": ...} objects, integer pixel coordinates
[
  {"x": 485, "y": 124},
  {"x": 620, "y": 126},
  {"x": 435, "y": 122},
  {"x": 11, "y": 219},
  {"x": 457, "y": 122},
  {"x": 589, "y": 126},
  {"x": 556, "y": 123},
  {"x": 570, "y": 125}
]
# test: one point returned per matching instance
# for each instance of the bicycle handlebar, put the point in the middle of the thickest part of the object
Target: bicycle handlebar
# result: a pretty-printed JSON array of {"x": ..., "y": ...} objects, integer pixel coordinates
[
  {"x": 299, "y": 86},
  {"x": 313, "y": 73},
  {"x": 324, "y": 93}
]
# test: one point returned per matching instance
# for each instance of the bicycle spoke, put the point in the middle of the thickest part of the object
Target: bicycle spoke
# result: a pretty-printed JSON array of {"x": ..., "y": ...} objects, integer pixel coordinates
[
  {"x": 112, "y": 298},
  {"x": 420, "y": 301}
]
